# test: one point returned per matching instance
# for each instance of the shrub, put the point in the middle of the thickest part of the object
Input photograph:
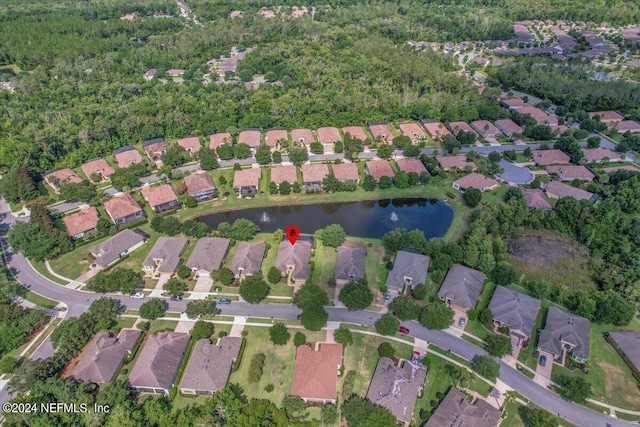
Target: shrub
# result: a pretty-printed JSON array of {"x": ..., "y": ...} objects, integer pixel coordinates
[
  {"x": 226, "y": 276},
  {"x": 274, "y": 275},
  {"x": 386, "y": 350},
  {"x": 279, "y": 334},
  {"x": 299, "y": 339},
  {"x": 256, "y": 367}
]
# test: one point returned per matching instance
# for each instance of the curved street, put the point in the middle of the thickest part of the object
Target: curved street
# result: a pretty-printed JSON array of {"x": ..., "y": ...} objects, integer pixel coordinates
[{"x": 79, "y": 301}]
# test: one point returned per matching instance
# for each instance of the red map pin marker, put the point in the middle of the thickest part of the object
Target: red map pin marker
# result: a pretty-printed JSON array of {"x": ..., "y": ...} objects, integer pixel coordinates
[{"x": 293, "y": 233}]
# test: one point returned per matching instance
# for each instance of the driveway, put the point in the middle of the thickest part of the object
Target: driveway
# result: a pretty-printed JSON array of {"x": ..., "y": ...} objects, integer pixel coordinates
[
  {"x": 545, "y": 370},
  {"x": 457, "y": 315},
  {"x": 203, "y": 284}
]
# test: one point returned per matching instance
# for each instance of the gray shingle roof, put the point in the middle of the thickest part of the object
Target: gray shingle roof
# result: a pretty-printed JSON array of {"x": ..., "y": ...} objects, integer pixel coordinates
[
  {"x": 159, "y": 360},
  {"x": 350, "y": 263},
  {"x": 168, "y": 250},
  {"x": 629, "y": 343},
  {"x": 110, "y": 250},
  {"x": 396, "y": 387},
  {"x": 456, "y": 411},
  {"x": 563, "y": 327},
  {"x": 210, "y": 365},
  {"x": 248, "y": 257},
  {"x": 517, "y": 311},
  {"x": 410, "y": 266},
  {"x": 462, "y": 286},
  {"x": 297, "y": 255},
  {"x": 208, "y": 254}
]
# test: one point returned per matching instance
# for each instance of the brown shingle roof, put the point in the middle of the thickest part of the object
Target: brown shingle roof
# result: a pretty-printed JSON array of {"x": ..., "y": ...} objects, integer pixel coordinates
[
  {"x": 217, "y": 139},
  {"x": 456, "y": 410},
  {"x": 628, "y": 125},
  {"x": 280, "y": 174},
  {"x": 247, "y": 178},
  {"x": 328, "y": 135},
  {"x": 411, "y": 165},
  {"x": 128, "y": 157},
  {"x": 314, "y": 172},
  {"x": 64, "y": 174},
  {"x": 159, "y": 195},
  {"x": 274, "y": 136},
  {"x": 629, "y": 343},
  {"x": 381, "y": 130},
  {"x": 315, "y": 374},
  {"x": 480, "y": 125},
  {"x": 355, "y": 132},
  {"x": 159, "y": 360},
  {"x": 346, "y": 172},
  {"x": 210, "y": 365},
  {"x": 99, "y": 166},
  {"x": 475, "y": 180},
  {"x": 190, "y": 143},
  {"x": 599, "y": 154},
  {"x": 121, "y": 206},
  {"x": 297, "y": 255},
  {"x": 508, "y": 126},
  {"x": 550, "y": 157},
  {"x": 199, "y": 182},
  {"x": 250, "y": 137},
  {"x": 208, "y": 254},
  {"x": 536, "y": 198},
  {"x": 412, "y": 130},
  {"x": 302, "y": 135},
  {"x": 165, "y": 255},
  {"x": 248, "y": 258},
  {"x": 567, "y": 173},
  {"x": 379, "y": 168},
  {"x": 559, "y": 190},
  {"x": 109, "y": 251},
  {"x": 80, "y": 222},
  {"x": 460, "y": 162},
  {"x": 350, "y": 263}
]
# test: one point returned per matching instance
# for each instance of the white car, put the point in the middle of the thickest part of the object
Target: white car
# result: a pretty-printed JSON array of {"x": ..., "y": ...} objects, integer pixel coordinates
[{"x": 137, "y": 295}]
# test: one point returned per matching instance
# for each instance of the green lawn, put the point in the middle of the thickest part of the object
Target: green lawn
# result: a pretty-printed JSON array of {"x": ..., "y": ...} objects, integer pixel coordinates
[
  {"x": 281, "y": 289},
  {"x": 270, "y": 260},
  {"x": 125, "y": 322},
  {"x": 40, "y": 300},
  {"x": 324, "y": 260},
  {"x": 162, "y": 325},
  {"x": 526, "y": 353},
  {"x": 512, "y": 417},
  {"x": 42, "y": 269}
]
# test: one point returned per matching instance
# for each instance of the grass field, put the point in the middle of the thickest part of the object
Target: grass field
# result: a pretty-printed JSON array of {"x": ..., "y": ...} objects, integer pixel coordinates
[
  {"x": 526, "y": 354},
  {"x": 125, "y": 322},
  {"x": 162, "y": 325},
  {"x": 40, "y": 300},
  {"x": 325, "y": 264},
  {"x": 42, "y": 269}
]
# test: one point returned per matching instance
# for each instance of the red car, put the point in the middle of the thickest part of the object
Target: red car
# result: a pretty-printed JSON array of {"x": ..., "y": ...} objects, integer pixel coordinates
[{"x": 403, "y": 330}]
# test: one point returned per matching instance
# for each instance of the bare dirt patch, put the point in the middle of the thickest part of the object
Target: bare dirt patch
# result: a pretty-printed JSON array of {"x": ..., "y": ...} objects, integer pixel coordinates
[{"x": 616, "y": 383}]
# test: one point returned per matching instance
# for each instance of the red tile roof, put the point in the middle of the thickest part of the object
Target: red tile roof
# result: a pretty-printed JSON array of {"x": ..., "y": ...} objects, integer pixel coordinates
[
  {"x": 315, "y": 374},
  {"x": 346, "y": 172},
  {"x": 159, "y": 195},
  {"x": 155, "y": 149},
  {"x": 485, "y": 128},
  {"x": 379, "y": 168},
  {"x": 302, "y": 135},
  {"x": 607, "y": 116},
  {"x": 550, "y": 157},
  {"x": 64, "y": 174},
  {"x": 411, "y": 165},
  {"x": 121, "y": 206},
  {"x": 82, "y": 221},
  {"x": 99, "y": 166},
  {"x": 355, "y": 132},
  {"x": 381, "y": 130},
  {"x": 280, "y": 174},
  {"x": 628, "y": 125},
  {"x": 475, "y": 180},
  {"x": 461, "y": 126},
  {"x": 199, "y": 182},
  {"x": 128, "y": 158},
  {"x": 599, "y": 154},
  {"x": 567, "y": 173},
  {"x": 314, "y": 172},
  {"x": 508, "y": 126},
  {"x": 460, "y": 162},
  {"x": 328, "y": 135},
  {"x": 532, "y": 111},
  {"x": 412, "y": 130},
  {"x": 436, "y": 129},
  {"x": 190, "y": 143},
  {"x": 217, "y": 139},
  {"x": 250, "y": 137},
  {"x": 247, "y": 178},
  {"x": 536, "y": 198},
  {"x": 274, "y": 136},
  {"x": 513, "y": 102}
]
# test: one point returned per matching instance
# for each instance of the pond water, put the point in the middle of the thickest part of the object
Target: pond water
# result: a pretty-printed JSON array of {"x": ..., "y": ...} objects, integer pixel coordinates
[{"x": 370, "y": 218}]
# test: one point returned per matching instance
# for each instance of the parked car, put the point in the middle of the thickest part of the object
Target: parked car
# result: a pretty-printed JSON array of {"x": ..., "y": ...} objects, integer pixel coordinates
[
  {"x": 224, "y": 301},
  {"x": 176, "y": 298},
  {"x": 387, "y": 297},
  {"x": 403, "y": 330},
  {"x": 462, "y": 322},
  {"x": 137, "y": 295},
  {"x": 543, "y": 360}
]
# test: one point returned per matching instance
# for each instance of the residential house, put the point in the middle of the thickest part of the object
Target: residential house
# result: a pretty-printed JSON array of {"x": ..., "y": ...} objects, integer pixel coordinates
[
  {"x": 457, "y": 127},
  {"x": 513, "y": 103},
  {"x": 514, "y": 310},
  {"x": 127, "y": 156},
  {"x": 627, "y": 344},
  {"x": 565, "y": 333},
  {"x": 350, "y": 264},
  {"x": 123, "y": 209},
  {"x": 550, "y": 157},
  {"x": 396, "y": 387},
  {"x": 486, "y": 129},
  {"x": 435, "y": 129},
  {"x": 313, "y": 174},
  {"x": 558, "y": 190},
  {"x": 114, "y": 248},
  {"x": 345, "y": 172},
  {"x": 475, "y": 180},
  {"x": 149, "y": 74},
  {"x": 356, "y": 132},
  {"x": 98, "y": 168},
  {"x": 328, "y": 136},
  {"x": 191, "y": 144},
  {"x": 82, "y": 222},
  {"x": 247, "y": 181},
  {"x": 302, "y": 136},
  {"x": 460, "y": 162},
  {"x": 539, "y": 115},
  {"x": 409, "y": 165},
  {"x": 102, "y": 358},
  {"x": 462, "y": 286},
  {"x": 154, "y": 149},
  {"x": 609, "y": 117},
  {"x": 569, "y": 173},
  {"x": 599, "y": 155},
  {"x": 628, "y": 126},
  {"x": 161, "y": 198},
  {"x": 200, "y": 186},
  {"x": 293, "y": 261},
  {"x": 280, "y": 174},
  {"x": 164, "y": 257},
  {"x": 536, "y": 199},
  {"x": 208, "y": 255},
  {"x": 509, "y": 127},
  {"x": 409, "y": 269},
  {"x": 61, "y": 176},
  {"x": 218, "y": 139},
  {"x": 209, "y": 366},
  {"x": 277, "y": 137},
  {"x": 379, "y": 168},
  {"x": 413, "y": 131},
  {"x": 173, "y": 72},
  {"x": 457, "y": 410},
  {"x": 381, "y": 132},
  {"x": 158, "y": 363},
  {"x": 248, "y": 258},
  {"x": 251, "y": 137},
  {"x": 315, "y": 373}
]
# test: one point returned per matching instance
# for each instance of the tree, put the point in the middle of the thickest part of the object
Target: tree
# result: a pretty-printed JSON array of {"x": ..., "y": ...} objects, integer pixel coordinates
[
  {"x": 18, "y": 185},
  {"x": 611, "y": 307},
  {"x": 298, "y": 155},
  {"x": 369, "y": 183},
  {"x": 385, "y": 182},
  {"x": 263, "y": 155},
  {"x": 362, "y": 413},
  {"x": 536, "y": 417},
  {"x": 278, "y": 334},
  {"x": 385, "y": 151},
  {"x": 255, "y": 367},
  {"x": 388, "y": 324},
  {"x": 175, "y": 155},
  {"x": 254, "y": 289},
  {"x": 356, "y": 295},
  {"x": 7, "y": 364},
  {"x": 225, "y": 152},
  {"x": 310, "y": 296},
  {"x": 486, "y": 367},
  {"x": 119, "y": 279},
  {"x": 329, "y": 414},
  {"x": 241, "y": 151},
  {"x": 274, "y": 275},
  {"x": 472, "y": 197},
  {"x": 316, "y": 148},
  {"x": 386, "y": 350},
  {"x": 450, "y": 143},
  {"x": 494, "y": 157},
  {"x": 333, "y": 235},
  {"x": 411, "y": 151},
  {"x": 419, "y": 292},
  {"x": 83, "y": 191},
  {"x": 575, "y": 388},
  {"x": 436, "y": 315},
  {"x": 175, "y": 287},
  {"x": 242, "y": 229},
  {"x": 201, "y": 307},
  {"x": 105, "y": 310},
  {"x": 404, "y": 307},
  {"x": 401, "y": 180},
  {"x": 296, "y": 187},
  {"x": 343, "y": 336},
  {"x": 226, "y": 276},
  {"x": 184, "y": 272},
  {"x": 273, "y": 188},
  {"x": 504, "y": 274},
  {"x": 499, "y": 346},
  {"x": 299, "y": 339},
  {"x": 208, "y": 159},
  {"x": 295, "y": 408},
  {"x": 277, "y": 157},
  {"x": 593, "y": 142},
  {"x": 202, "y": 329},
  {"x": 285, "y": 188},
  {"x": 152, "y": 309},
  {"x": 485, "y": 316}
]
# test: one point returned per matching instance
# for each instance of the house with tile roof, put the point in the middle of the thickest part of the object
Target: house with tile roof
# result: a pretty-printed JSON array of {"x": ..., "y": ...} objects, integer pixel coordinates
[
  {"x": 161, "y": 198},
  {"x": 248, "y": 258},
  {"x": 457, "y": 127},
  {"x": 536, "y": 199},
  {"x": 457, "y": 410},
  {"x": 154, "y": 149},
  {"x": 208, "y": 255},
  {"x": 607, "y": 116},
  {"x": 628, "y": 126},
  {"x": 123, "y": 209},
  {"x": 293, "y": 261},
  {"x": 550, "y": 157},
  {"x": 356, "y": 132},
  {"x": 627, "y": 344},
  {"x": 200, "y": 186},
  {"x": 509, "y": 127},
  {"x": 328, "y": 136},
  {"x": 276, "y": 138},
  {"x": 513, "y": 103},
  {"x": 114, "y": 248},
  {"x": 514, "y": 310},
  {"x": 280, "y": 174},
  {"x": 98, "y": 167},
  {"x": 413, "y": 131},
  {"x": 81, "y": 223},
  {"x": 251, "y": 137},
  {"x": 209, "y": 366},
  {"x": 350, "y": 264},
  {"x": 313, "y": 174},
  {"x": 409, "y": 165},
  {"x": 302, "y": 136},
  {"x": 346, "y": 172},
  {"x": 459, "y": 161},
  {"x": 127, "y": 156},
  {"x": 565, "y": 333},
  {"x": 558, "y": 190},
  {"x": 475, "y": 180},
  {"x": 379, "y": 168},
  {"x": 247, "y": 181},
  {"x": 435, "y": 129},
  {"x": 461, "y": 287},
  {"x": 599, "y": 155},
  {"x": 381, "y": 132},
  {"x": 191, "y": 144},
  {"x": 315, "y": 373},
  {"x": 60, "y": 177},
  {"x": 218, "y": 139},
  {"x": 164, "y": 257},
  {"x": 571, "y": 172},
  {"x": 485, "y": 128},
  {"x": 409, "y": 269}
]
